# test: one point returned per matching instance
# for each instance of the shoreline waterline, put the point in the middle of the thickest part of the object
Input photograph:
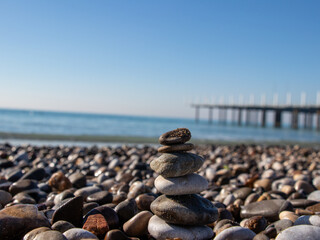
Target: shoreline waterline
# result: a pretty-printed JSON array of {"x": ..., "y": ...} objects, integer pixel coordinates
[{"x": 44, "y": 139}]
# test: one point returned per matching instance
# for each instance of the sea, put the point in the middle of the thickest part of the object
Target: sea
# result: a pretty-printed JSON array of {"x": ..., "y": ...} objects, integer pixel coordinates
[{"x": 68, "y": 123}]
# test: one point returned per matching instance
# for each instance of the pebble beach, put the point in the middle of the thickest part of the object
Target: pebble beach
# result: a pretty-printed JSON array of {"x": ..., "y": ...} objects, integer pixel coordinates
[
  {"x": 113, "y": 192},
  {"x": 159, "y": 120}
]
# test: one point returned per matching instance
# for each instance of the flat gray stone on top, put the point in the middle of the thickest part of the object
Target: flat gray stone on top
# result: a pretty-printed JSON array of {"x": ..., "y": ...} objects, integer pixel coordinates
[
  {"x": 188, "y": 184},
  {"x": 161, "y": 230},
  {"x": 305, "y": 232}
]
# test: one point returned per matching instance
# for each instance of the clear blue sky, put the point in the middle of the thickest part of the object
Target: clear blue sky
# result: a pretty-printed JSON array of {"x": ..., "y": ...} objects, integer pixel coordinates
[{"x": 151, "y": 57}]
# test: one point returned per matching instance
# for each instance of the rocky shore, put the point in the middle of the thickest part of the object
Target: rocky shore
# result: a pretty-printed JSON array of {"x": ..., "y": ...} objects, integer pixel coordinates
[{"x": 257, "y": 192}]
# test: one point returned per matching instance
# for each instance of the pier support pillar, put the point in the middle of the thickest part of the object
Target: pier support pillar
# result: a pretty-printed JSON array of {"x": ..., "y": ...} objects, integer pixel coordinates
[
  {"x": 240, "y": 117},
  {"x": 263, "y": 118},
  {"x": 248, "y": 118},
  {"x": 220, "y": 113},
  {"x": 197, "y": 114},
  {"x": 210, "y": 115},
  {"x": 233, "y": 116},
  {"x": 294, "y": 119},
  {"x": 256, "y": 118},
  {"x": 305, "y": 122},
  {"x": 310, "y": 120},
  {"x": 277, "y": 119},
  {"x": 223, "y": 115},
  {"x": 318, "y": 120}
]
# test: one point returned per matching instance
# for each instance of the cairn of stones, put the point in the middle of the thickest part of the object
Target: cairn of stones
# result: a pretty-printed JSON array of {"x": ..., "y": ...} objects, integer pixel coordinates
[{"x": 180, "y": 212}]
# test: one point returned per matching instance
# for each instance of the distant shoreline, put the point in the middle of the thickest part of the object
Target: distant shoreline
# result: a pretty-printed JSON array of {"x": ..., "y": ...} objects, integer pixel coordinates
[{"x": 91, "y": 139}]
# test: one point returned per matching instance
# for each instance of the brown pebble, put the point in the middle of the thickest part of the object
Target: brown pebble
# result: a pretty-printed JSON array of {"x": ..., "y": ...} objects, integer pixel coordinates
[
  {"x": 116, "y": 235},
  {"x": 312, "y": 166},
  {"x": 144, "y": 201},
  {"x": 234, "y": 209},
  {"x": 250, "y": 181},
  {"x": 253, "y": 197},
  {"x": 264, "y": 196},
  {"x": 287, "y": 189},
  {"x": 18, "y": 220},
  {"x": 96, "y": 224},
  {"x": 314, "y": 208},
  {"x": 288, "y": 215},
  {"x": 138, "y": 225},
  {"x": 265, "y": 183},
  {"x": 59, "y": 182},
  {"x": 305, "y": 186},
  {"x": 256, "y": 223},
  {"x": 119, "y": 197},
  {"x": 136, "y": 189},
  {"x": 301, "y": 212}
]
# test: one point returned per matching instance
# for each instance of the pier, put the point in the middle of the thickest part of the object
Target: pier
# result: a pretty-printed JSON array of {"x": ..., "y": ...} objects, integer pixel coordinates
[{"x": 256, "y": 115}]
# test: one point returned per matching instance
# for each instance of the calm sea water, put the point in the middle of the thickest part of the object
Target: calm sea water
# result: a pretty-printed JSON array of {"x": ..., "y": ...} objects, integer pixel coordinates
[{"x": 44, "y": 122}]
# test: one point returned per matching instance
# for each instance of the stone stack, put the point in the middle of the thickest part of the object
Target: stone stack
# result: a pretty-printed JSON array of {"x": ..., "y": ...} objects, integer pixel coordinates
[{"x": 180, "y": 212}]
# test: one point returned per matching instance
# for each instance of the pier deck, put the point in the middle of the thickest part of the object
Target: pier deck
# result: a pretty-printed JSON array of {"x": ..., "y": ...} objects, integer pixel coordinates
[{"x": 252, "y": 114}]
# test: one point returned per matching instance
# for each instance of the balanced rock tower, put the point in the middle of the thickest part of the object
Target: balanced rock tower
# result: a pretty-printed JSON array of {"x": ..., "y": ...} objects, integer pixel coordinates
[{"x": 180, "y": 212}]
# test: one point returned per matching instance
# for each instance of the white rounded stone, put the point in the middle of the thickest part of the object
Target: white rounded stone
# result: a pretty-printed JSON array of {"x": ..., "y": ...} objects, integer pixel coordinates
[
  {"x": 161, "y": 230},
  {"x": 210, "y": 173},
  {"x": 188, "y": 184}
]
